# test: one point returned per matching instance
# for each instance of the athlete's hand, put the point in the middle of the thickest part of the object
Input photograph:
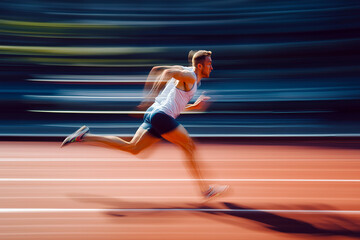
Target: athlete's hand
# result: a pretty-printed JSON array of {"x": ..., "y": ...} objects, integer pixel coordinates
[
  {"x": 143, "y": 106},
  {"x": 202, "y": 102}
]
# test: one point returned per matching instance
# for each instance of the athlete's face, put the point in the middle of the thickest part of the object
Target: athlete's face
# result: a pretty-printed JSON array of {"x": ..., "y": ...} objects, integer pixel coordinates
[{"x": 207, "y": 67}]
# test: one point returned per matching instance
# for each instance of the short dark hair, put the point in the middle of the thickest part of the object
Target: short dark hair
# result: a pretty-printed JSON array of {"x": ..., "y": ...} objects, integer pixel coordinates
[{"x": 200, "y": 56}]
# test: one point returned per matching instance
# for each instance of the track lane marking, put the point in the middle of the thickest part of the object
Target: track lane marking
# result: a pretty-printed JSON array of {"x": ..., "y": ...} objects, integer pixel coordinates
[
  {"x": 164, "y": 160},
  {"x": 169, "y": 180},
  {"x": 99, "y": 210},
  {"x": 188, "y": 197}
]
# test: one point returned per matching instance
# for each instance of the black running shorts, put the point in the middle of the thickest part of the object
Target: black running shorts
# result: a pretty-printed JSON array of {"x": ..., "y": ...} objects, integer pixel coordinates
[{"x": 157, "y": 122}]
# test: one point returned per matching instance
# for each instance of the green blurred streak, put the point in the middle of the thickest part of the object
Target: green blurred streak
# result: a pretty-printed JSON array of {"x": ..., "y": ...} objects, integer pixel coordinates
[
  {"x": 51, "y": 28},
  {"x": 30, "y": 33},
  {"x": 51, "y": 25},
  {"x": 78, "y": 51},
  {"x": 91, "y": 62},
  {"x": 51, "y": 35},
  {"x": 82, "y": 62}
]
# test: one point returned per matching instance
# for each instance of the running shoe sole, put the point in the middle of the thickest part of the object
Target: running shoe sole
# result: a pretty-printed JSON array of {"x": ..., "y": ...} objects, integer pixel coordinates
[{"x": 76, "y": 136}]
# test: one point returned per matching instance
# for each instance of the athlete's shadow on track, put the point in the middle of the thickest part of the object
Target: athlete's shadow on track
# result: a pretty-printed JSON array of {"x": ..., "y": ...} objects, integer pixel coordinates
[
  {"x": 333, "y": 225},
  {"x": 336, "y": 225}
]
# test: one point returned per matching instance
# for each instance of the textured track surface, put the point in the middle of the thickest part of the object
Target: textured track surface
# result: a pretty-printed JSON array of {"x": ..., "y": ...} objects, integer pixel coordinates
[{"x": 277, "y": 191}]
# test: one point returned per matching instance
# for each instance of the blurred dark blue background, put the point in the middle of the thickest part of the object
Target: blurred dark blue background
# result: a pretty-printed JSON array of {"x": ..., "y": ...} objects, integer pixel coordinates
[{"x": 281, "y": 68}]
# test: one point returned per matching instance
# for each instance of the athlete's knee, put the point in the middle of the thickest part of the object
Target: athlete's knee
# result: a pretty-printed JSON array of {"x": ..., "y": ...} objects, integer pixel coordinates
[
  {"x": 134, "y": 149},
  {"x": 191, "y": 144},
  {"x": 127, "y": 147},
  {"x": 188, "y": 146}
]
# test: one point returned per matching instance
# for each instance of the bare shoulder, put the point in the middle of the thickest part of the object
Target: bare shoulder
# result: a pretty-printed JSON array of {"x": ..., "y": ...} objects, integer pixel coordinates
[
  {"x": 184, "y": 75},
  {"x": 173, "y": 67}
]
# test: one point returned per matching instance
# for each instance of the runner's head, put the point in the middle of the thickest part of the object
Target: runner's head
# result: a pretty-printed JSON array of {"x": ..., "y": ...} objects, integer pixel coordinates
[{"x": 202, "y": 62}]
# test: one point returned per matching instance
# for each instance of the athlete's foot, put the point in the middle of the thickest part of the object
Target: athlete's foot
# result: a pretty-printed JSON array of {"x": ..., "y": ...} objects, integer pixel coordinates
[
  {"x": 215, "y": 191},
  {"x": 76, "y": 136}
]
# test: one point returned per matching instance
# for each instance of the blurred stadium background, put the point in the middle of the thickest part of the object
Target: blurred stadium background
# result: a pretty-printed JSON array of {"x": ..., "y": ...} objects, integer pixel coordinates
[{"x": 281, "y": 68}]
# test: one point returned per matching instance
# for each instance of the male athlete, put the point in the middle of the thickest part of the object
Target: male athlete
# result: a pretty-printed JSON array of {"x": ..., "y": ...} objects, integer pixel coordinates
[
  {"x": 159, "y": 120},
  {"x": 154, "y": 83}
]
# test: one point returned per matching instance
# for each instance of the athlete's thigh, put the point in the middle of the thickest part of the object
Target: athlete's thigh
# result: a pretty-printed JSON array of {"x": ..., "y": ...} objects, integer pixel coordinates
[
  {"x": 178, "y": 136},
  {"x": 143, "y": 139}
]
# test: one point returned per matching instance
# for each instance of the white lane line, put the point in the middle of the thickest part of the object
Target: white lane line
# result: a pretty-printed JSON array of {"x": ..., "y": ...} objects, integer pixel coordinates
[
  {"x": 57, "y": 225},
  {"x": 112, "y": 197},
  {"x": 169, "y": 180},
  {"x": 7, "y": 219},
  {"x": 92, "y": 159},
  {"x": 96, "y": 160},
  {"x": 119, "y": 168},
  {"x": 99, "y": 210},
  {"x": 190, "y": 198},
  {"x": 111, "y": 233}
]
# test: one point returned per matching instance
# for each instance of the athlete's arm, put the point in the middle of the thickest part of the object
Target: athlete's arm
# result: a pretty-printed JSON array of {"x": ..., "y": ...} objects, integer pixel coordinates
[
  {"x": 201, "y": 104},
  {"x": 181, "y": 75},
  {"x": 155, "y": 82},
  {"x": 188, "y": 77},
  {"x": 155, "y": 73}
]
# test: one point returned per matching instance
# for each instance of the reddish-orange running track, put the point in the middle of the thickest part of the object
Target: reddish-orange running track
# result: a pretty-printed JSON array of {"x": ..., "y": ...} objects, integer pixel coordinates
[{"x": 277, "y": 191}]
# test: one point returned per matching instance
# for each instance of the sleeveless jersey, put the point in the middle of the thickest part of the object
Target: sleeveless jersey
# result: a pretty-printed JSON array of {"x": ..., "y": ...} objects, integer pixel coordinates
[{"x": 173, "y": 100}]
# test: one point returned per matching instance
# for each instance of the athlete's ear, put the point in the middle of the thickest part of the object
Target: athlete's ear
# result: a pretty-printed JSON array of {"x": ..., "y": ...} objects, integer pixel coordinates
[{"x": 200, "y": 66}]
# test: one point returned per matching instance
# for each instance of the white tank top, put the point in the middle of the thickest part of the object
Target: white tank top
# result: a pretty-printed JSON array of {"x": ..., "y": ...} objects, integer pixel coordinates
[{"x": 172, "y": 100}]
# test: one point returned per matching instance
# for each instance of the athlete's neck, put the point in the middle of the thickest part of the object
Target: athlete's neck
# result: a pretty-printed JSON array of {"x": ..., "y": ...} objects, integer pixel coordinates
[{"x": 198, "y": 75}]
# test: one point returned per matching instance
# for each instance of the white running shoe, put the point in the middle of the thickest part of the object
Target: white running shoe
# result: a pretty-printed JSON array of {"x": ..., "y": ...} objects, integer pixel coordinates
[
  {"x": 215, "y": 191},
  {"x": 76, "y": 136}
]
